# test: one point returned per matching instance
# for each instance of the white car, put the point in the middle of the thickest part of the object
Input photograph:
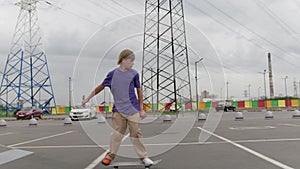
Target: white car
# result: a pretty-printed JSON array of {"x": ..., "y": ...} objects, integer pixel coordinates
[
  {"x": 173, "y": 108},
  {"x": 80, "y": 113}
]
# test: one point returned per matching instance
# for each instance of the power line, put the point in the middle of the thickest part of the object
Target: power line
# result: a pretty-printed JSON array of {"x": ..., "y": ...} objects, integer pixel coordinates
[
  {"x": 140, "y": 2},
  {"x": 224, "y": 66},
  {"x": 238, "y": 33},
  {"x": 122, "y": 6},
  {"x": 226, "y": 26},
  {"x": 278, "y": 20},
  {"x": 108, "y": 9},
  {"x": 243, "y": 36},
  {"x": 114, "y": 9},
  {"x": 248, "y": 29},
  {"x": 71, "y": 13},
  {"x": 230, "y": 29}
]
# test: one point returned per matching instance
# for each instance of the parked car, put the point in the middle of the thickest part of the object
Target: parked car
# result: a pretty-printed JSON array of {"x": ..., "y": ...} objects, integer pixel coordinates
[
  {"x": 80, "y": 113},
  {"x": 226, "y": 107},
  {"x": 219, "y": 107},
  {"x": 28, "y": 113},
  {"x": 173, "y": 108}
]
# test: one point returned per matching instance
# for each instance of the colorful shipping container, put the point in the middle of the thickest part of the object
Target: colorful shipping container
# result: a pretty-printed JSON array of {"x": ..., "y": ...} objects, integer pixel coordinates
[{"x": 202, "y": 105}]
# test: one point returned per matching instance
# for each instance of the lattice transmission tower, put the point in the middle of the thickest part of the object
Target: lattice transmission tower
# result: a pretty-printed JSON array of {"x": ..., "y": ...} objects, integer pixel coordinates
[
  {"x": 165, "y": 71},
  {"x": 26, "y": 78}
]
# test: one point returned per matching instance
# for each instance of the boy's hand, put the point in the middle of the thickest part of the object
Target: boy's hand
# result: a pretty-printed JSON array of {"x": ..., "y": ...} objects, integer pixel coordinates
[
  {"x": 84, "y": 101},
  {"x": 143, "y": 114}
]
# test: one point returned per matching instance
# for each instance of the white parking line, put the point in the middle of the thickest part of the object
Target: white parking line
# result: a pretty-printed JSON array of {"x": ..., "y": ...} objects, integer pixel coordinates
[
  {"x": 287, "y": 124},
  {"x": 161, "y": 144},
  {"x": 268, "y": 159},
  {"x": 252, "y": 128},
  {"x": 57, "y": 147},
  {"x": 39, "y": 139},
  {"x": 4, "y": 134},
  {"x": 12, "y": 155},
  {"x": 99, "y": 159}
]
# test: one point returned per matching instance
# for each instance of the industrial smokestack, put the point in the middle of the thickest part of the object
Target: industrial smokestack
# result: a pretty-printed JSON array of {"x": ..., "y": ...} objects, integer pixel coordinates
[{"x": 270, "y": 76}]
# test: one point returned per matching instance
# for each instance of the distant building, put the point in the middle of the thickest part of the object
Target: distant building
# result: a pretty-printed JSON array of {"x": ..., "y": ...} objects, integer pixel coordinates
[{"x": 205, "y": 96}]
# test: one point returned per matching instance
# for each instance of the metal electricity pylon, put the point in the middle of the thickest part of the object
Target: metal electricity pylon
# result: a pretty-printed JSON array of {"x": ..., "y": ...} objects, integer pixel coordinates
[
  {"x": 26, "y": 78},
  {"x": 165, "y": 72}
]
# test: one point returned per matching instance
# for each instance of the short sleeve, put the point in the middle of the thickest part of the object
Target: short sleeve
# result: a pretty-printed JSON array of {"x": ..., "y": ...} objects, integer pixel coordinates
[
  {"x": 107, "y": 81},
  {"x": 136, "y": 81}
]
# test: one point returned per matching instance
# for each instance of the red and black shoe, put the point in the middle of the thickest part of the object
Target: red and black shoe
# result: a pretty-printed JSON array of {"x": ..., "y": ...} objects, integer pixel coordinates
[{"x": 106, "y": 161}]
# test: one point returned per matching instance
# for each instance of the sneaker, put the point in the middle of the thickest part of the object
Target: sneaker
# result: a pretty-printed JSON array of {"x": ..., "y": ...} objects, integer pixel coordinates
[
  {"x": 147, "y": 161},
  {"x": 106, "y": 161}
]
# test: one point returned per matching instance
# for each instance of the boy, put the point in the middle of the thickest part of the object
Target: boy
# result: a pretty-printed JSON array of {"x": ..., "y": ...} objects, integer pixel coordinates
[{"x": 127, "y": 110}]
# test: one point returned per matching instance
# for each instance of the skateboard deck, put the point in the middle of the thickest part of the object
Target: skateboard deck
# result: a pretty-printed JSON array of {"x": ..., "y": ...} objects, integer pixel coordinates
[{"x": 128, "y": 164}]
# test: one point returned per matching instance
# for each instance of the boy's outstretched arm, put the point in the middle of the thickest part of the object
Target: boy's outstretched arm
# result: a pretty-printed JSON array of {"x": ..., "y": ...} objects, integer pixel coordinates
[{"x": 97, "y": 90}]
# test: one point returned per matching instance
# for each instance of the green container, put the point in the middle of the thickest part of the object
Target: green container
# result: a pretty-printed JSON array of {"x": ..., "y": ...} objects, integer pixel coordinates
[
  {"x": 235, "y": 103},
  {"x": 179, "y": 104},
  {"x": 154, "y": 107},
  {"x": 67, "y": 109},
  {"x": 254, "y": 104},
  {"x": 208, "y": 105},
  {"x": 274, "y": 103},
  {"x": 106, "y": 108}
]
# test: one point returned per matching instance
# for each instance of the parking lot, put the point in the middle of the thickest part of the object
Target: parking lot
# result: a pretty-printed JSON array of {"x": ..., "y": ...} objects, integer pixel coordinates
[{"x": 220, "y": 142}]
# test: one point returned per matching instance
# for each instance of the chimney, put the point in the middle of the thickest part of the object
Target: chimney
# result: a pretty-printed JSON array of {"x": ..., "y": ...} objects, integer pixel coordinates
[{"x": 270, "y": 76}]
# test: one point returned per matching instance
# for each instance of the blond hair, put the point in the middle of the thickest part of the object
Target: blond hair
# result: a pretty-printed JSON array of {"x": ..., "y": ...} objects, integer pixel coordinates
[{"x": 126, "y": 53}]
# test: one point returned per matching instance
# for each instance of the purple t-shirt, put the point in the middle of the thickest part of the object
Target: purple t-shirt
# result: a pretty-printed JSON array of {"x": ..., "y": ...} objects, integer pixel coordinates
[{"x": 122, "y": 85}]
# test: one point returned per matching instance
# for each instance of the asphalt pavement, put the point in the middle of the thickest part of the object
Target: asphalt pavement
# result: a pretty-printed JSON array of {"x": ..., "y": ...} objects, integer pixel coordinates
[{"x": 220, "y": 142}]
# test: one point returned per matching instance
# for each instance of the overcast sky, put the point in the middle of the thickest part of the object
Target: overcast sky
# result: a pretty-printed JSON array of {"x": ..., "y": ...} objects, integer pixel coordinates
[{"x": 83, "y": 38}]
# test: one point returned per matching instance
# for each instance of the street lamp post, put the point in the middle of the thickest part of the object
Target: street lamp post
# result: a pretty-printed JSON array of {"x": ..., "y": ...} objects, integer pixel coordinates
[
  {"x": 299, "y": 89},
  {"x": 249, "y": 91},
  {"x": 265, "y": 88},
  {"x": 70, "y": 93},
  {"x": 285, "y": 85},
  {"x": 227, "y": 97},
  {"x": 196, "y": 79}
]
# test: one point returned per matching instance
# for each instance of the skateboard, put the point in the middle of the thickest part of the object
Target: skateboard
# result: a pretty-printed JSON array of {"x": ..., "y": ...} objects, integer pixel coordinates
[{"x": 128, "y": 164}]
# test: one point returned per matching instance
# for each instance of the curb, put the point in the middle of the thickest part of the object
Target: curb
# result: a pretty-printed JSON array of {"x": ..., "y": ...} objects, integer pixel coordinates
[{"x": 44, "y": 118}]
